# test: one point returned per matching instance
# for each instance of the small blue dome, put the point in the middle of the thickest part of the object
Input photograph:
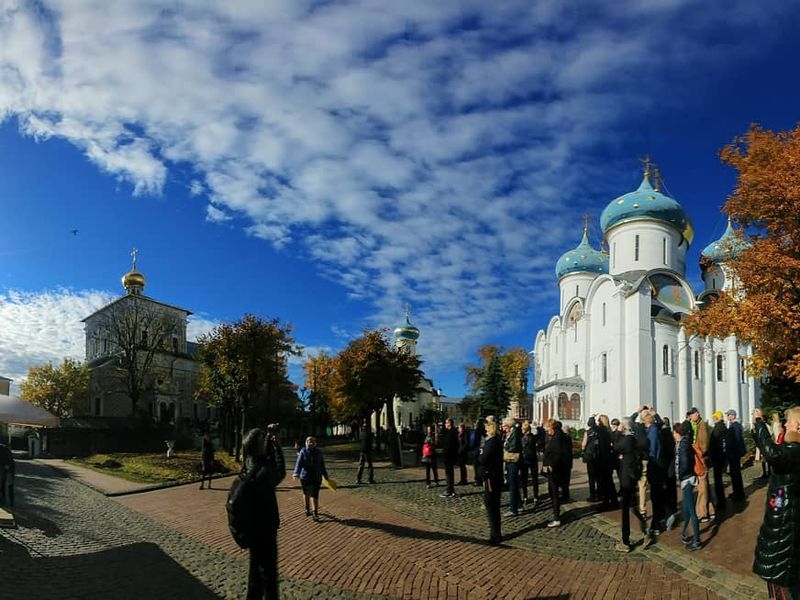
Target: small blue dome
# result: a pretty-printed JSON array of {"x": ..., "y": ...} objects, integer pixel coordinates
[
  {"x": 406, "y": 331},
  {"x": 582, "y": 259},
  {"x": 647, "y": 203},
  {"x": 726, "y": 247}
]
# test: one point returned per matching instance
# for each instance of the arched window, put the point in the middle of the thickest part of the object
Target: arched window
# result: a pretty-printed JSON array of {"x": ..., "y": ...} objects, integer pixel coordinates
[
  {"x": 636, "y": 248},
  {"x": 575, "y": 407},
  {"x": 604, "y": 367},
  {"x": 563, "y": 405},
  {"x": 696, "y": 364},
  {"x": 720, "y": 367},
  {"x": 604, "y": 314}
]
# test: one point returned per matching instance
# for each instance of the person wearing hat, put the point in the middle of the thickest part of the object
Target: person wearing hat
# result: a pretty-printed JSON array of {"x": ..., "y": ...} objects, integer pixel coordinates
[
  {"x": 734, "y": 450},
  {"x": 705, "y": 508},
  {"x": 716, "y": 454}
]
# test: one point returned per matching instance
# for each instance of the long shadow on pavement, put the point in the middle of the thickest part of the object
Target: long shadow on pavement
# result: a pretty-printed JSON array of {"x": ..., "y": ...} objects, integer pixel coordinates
[
  {"x": 401, "y": 531},
  {"x": 135, "y": 571}
]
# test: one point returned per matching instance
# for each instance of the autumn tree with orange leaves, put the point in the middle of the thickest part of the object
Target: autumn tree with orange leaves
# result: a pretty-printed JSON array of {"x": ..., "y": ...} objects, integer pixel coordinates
[
  {"x": 318, "y": 372},
  {"x": 368, "y": 374},
  {"x": 492, "y": 388},
  {"x": 762, "y": 307}
]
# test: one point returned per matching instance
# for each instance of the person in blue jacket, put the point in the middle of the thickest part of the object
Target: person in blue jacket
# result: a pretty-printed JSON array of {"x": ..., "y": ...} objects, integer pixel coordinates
[{"x": 310, "y": 469}]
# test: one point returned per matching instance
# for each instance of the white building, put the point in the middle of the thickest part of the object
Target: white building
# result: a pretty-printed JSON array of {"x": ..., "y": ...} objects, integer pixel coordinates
[
  {"x": 407, "y": 414},
  {"x": 171, "y": 373},
  {"x": 617, "y": 341}
]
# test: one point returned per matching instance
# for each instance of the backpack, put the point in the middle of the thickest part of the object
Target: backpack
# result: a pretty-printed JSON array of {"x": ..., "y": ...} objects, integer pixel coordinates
[
  {"x": 591, "y": 453},
  {"x": 241, "y": 508},
  {"x": 699, "y": 461},
  {"x": 427, "y": 450}
]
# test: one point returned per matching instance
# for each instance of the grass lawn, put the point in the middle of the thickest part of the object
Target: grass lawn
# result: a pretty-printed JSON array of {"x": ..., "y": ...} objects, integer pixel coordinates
[{"x": 183, "y": 467}]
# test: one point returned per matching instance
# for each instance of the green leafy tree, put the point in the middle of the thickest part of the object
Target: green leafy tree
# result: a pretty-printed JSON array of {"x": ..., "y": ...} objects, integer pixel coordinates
[
  {"x": 494, "y": 391},
  {"x": 369, "y": 373},
  {"x": 501, "y": 376},
  {"x": 61, "y": 390},
  {"x": 244, "y": 374}
]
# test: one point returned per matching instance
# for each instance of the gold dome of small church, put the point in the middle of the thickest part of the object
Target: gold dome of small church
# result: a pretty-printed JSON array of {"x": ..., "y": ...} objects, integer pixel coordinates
[{"x": 133, "y": 281}]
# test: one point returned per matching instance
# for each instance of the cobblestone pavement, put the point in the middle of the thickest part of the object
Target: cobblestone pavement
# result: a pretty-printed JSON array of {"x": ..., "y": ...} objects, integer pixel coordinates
[{"x": 394, "y": 539}]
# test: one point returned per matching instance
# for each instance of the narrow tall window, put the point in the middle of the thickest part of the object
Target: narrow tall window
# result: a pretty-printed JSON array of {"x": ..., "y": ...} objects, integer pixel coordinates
[
  {"x": 604, "y": 314},
  {"x": 742, "y": 371},
  {"x": 713, "y": 284},
  {"x": 720, "y": 367},
  {"x": 144, "y": 337},
  {"x": 636, "y": 248},
  {"x": 604, "y": 367},
  {"x": 664, "y": 249},
  {"x": 577, "y": 291},
  {"x": 614, "y": 256},
  {"x": 696, "y": 364},
  {"x": 665, "y": 360},
  {"x": 576, "y": 369}
]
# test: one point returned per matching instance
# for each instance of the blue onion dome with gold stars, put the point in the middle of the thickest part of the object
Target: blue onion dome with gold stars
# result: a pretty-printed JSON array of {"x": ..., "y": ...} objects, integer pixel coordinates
[
  {"x": 647, "y": 203},
  {"x": 725, "y": 248},
  {"x": 582, "y": 259},
  {"x": 406, "y": 331}
]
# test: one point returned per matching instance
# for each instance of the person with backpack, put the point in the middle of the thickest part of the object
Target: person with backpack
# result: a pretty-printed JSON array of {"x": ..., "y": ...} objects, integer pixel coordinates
[
  {"x": 310, "y": 469},
  {"x": 591, "y": 457},
  {"x": 429, "y": 456},
  {"x": 263, "y": 470}
]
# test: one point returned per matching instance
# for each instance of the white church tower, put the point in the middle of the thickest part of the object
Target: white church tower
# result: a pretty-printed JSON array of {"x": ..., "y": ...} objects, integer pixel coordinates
[{"x": 618, "y": 341}]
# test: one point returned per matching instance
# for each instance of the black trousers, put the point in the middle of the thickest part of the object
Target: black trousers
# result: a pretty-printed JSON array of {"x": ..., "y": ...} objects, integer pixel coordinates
[
  {"x": 552, "y": 488},
  {"x": 365, "y": 459},
  {"x": 527, "y": 470},
  {"x": 450, "y": 475},
  {"x": 657, "y": 480},
  {"x": 719, "y": 486},
  {"x": 262, "y": 579},
  {"x": 626, "y": 500},
  {"x": 735, "y": 466},
  {"x": 431, "y": 466},
  {"x": 492, "y": 492},
  {"x": 462, "y": 470}
]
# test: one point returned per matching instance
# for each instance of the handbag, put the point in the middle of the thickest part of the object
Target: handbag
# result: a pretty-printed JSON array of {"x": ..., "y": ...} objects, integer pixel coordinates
[
  {"x": 510, "y": 457},
  {"x": 427, "y": 450}
]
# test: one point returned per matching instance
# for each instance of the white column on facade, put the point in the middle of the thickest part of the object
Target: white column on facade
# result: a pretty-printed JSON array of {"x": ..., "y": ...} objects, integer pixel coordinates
[
  {"x": 709, "y": 365},
  {"x": 684, "y": 373},
  {"x": 734, "y": 391}
]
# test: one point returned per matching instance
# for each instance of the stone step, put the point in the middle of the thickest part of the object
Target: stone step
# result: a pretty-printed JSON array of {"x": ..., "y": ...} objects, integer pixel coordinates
[{"x": 7, "y": 519}]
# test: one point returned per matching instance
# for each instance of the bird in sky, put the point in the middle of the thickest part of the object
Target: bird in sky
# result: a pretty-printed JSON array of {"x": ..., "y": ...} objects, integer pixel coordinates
[{"x": 74, "y": 232}]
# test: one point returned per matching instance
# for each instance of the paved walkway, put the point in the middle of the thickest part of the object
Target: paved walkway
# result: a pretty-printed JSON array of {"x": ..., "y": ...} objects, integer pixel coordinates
[{"x": 395, "y": 539}]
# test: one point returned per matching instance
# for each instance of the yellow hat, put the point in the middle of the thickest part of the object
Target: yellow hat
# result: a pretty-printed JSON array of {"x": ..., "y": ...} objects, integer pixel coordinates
[{"x": 717, "y": 414}]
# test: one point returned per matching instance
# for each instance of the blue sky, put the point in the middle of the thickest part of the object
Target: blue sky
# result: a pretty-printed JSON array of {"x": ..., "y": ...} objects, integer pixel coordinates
[{"x": 328, "y": 163}]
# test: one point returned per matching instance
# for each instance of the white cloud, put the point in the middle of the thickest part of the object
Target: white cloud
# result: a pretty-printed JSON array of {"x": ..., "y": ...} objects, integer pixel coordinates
[
  {"x": 37, "y": 328},
  {"x": 414, "y": 149}
]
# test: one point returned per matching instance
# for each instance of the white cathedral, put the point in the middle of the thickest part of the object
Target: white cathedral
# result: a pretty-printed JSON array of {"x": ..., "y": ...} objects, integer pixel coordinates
[{"x": 618, "y": 341}]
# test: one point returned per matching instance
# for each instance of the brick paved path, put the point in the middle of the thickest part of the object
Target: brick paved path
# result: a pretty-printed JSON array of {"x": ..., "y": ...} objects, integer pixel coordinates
[{"x": 395, "y": 539}]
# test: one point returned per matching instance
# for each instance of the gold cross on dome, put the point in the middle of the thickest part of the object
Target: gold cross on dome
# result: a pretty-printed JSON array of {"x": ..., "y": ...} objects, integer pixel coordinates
[{"x": 134, "y": 252}]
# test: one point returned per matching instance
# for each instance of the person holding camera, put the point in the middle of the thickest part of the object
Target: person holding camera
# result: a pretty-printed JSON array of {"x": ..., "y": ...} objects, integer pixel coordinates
[{"x": 263, "y": 458}]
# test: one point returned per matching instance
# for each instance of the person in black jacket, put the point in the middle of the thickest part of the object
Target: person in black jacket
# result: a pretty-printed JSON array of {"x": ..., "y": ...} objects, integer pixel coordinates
[
  {"x": 491, "y": 461},
  {"x": 552, "y": 466},
  {"x": 7, "y": 471},
  {"x": 463, "y": 451},
  {"x": 565, "y": 472},
  {"x": 777, "y": 557},
  {"x": 450, "y": 453},
  {"x": 366, "y": 458},
  {"x": 529, "y": 467},
  {"x": 734, "y": 449},
  {"x": 263, "y": 454},
  {"x": 207, "y": 459},
  {"x": 717, "y": 455},
  {"x": 630, "y": 462}
]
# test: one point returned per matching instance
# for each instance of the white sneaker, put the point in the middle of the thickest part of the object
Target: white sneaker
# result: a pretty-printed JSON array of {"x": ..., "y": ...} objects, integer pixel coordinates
[{"x": 554, "y": 523}]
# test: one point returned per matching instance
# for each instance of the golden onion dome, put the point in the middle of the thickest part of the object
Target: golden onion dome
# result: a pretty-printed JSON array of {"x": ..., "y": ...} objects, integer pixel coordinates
[{"x": 133, "y": 281}]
